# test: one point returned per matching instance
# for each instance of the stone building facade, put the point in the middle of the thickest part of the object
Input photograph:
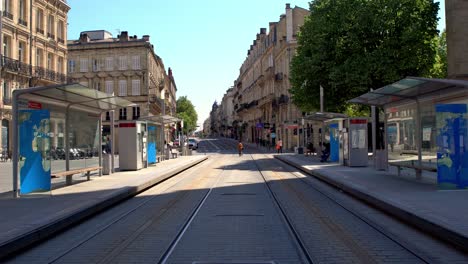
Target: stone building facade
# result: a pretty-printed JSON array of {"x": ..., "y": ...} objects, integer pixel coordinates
[
  {"x": 126, "y": 66},
  {"x": 262, "y": 102},
  {"x": 456, "y": 13},
  {"x": 34, "y": 51}
]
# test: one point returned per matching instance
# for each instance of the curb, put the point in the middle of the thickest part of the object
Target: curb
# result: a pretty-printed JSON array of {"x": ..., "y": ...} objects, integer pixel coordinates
[
  {"x": 58, "y": 225},
  {"x": 439, "y": 231}
]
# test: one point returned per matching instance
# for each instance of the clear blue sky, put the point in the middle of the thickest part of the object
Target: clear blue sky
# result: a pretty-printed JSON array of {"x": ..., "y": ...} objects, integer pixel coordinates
[{"x": 204, "y": 42}]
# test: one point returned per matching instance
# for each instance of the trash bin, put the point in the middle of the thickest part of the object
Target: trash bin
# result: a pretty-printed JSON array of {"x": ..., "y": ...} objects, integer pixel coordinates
[
  {"x": 106, "y": 164},
  {"x": 300, "y": 150}
]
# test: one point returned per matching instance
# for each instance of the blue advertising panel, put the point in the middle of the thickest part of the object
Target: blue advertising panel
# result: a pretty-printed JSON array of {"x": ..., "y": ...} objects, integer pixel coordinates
[
  {"x": 151, "y": 144},
  {"x": 334, "y": 143},
  {"x": 34, "y": 138},
  {"x": 452, "y": 159}
]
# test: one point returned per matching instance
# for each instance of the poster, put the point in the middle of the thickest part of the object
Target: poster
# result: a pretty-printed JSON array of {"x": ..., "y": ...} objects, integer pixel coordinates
[{"x": 34, "y": 146}]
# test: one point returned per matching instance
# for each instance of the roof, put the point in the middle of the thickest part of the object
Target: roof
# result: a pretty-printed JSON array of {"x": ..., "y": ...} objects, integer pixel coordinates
[
  {"x": 161, "y": 119},
  {"x": 75, "y": 96},
  {"x": 410, "y": 88},
  {"x": 323, "y": 116}
]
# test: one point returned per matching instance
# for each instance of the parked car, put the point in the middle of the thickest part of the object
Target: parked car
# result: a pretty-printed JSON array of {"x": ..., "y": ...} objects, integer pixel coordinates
[{"x": 193, "y": 143}]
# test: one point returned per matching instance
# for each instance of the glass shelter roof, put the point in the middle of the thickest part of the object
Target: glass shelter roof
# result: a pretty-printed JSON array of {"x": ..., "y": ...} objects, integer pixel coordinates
[
  {"x": 410, "y": 88},
  {"x": 75, "y": 95}
]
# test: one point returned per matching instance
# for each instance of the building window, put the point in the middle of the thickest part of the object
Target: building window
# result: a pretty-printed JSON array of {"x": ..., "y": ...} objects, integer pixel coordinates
[
  {"x": 136, "y": 112},
  {"x": 21, "y": 51},
  {"x": 40, "y": 21},
  {"x": 39, "y": 55},
  {"x": 60, "y": 32},
  {"x": 50, "y": 61},
  {"x": 6, "y": 91},
  {"x": 51, "y": 27},
  {"x": 136, "y": 62},
  {"x": 107, "y": 116},
  {"x": 109, "y": 63},
  {"x": 122, "y": 63},
  {"x": 7, "y": 9},
  {"x": 6, "y": 46},
  {"x": 83, "y": 65},
  {"x": 95, "y": 65},
  {"x": 122, "y": 88},
  {"x": 136, "y": 87},
  {"x": 109, "y": 87},
  {"x": 22, "y": 13},
  {"x": 123, "y": 114},
  {"x": 97, "y": 85},
  {"x": 71, "y": 66},
  {"x": 60, "y": 65}
]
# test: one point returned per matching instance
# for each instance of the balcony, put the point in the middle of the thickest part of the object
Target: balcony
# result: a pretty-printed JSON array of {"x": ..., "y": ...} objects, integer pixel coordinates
[
  {"x": 60, "y": 40},
  {"x": 46, "y": 74},
  {"x": 283, "y": 99},
  {"x": 22, "y": 22},
  {"x": 39, "y": 30},
  {"x": 49, "y": 35},
  {"x": 7, "y": 15},
  {"x": 7, "y": 101},
  {"x": 16, "y": 66},
  {"x": 279, "y": 76}
]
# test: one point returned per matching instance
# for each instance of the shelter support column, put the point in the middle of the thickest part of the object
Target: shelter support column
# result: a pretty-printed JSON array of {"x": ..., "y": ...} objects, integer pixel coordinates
[
  {"x": 112, "y": 141},
  {"x": 15, "y": 145},
  {"x": 418, "y": 138},
  {"x": 100, "y": 143},
  {"x": 67, "y": 145}
]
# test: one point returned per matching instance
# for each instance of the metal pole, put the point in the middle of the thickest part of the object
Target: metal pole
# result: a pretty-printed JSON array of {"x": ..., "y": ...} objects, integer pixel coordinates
[
  {"x": 419, "y": 137},
  {"x": 321, "y": 98},
  {"x": 15, "y": 144},
  {"x": 112, "y": 141},
  {"x": 100, "y": 143},
  {"x": 67, "y": 145},
  {"x": 374, "y": 131}
]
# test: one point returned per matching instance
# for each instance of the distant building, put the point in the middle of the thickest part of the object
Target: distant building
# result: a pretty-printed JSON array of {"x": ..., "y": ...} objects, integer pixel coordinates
[
  {"x": 33, "y": 53},
  {"x": 456, "y": 13},
  {"x": 125, "y": 66}
]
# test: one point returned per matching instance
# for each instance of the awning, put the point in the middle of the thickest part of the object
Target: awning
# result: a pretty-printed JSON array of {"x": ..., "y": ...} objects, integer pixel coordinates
[
  {"x": 161, "y": 119},
  {"x": 73, "y": 95},
  {"x": 323, "y": 116},
  {"x": 410, "y": 88}
]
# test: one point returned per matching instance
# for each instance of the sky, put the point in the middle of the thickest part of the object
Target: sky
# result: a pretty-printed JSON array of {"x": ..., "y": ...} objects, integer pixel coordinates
[{"x": 204, "y": 42}]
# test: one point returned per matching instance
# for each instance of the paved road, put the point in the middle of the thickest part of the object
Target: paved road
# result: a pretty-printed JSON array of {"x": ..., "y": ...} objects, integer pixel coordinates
[{"x": 249, "y": 209}]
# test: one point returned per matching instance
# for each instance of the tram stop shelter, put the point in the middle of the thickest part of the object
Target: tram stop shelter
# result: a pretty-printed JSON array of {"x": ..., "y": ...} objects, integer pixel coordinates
[
  {"x": 426, "y": 126},
  {"x": 161, "y": 121},
  {"x": 57, "y": 128}
]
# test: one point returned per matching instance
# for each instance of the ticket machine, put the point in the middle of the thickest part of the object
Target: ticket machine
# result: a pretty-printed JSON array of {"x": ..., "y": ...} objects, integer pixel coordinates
[
  {"x": 332, "y": 133},
  {"x": 132, "y": 145},
  {"x": 354, "y": 139}
]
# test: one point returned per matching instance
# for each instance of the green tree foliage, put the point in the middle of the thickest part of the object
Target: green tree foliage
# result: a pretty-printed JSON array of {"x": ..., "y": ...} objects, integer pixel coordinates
[
  {"x": 439, "y": 69},
  {"x": 186, "y": 111},
  {"x": 350, "y": 46}
]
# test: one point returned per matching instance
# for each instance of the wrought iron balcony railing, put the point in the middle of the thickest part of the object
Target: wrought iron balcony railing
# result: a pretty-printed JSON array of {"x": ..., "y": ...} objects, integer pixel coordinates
[
  {"x": 50, "y": 35},
  {"x": 7, "y": 101},
  {"x": 60, "y": 40},
  {"x": 7, "y": 14},
  {"x": 16, "y": 66},
  {"x": 22, "y": 22},
  {"x": 39, "y": 30}
]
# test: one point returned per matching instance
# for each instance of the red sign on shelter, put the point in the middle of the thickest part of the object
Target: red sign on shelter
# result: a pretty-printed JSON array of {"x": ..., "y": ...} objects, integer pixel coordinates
[{"x": 34, "y": 105}]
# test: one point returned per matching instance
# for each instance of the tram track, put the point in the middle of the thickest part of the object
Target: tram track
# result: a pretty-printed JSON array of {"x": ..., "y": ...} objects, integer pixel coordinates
[{"x": 348, "y": 240}]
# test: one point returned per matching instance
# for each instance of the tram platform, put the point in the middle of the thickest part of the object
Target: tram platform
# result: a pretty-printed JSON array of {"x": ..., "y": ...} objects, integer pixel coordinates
[
  {"x": 419, "y": 202},
  {"x": 28, "y": 219}
]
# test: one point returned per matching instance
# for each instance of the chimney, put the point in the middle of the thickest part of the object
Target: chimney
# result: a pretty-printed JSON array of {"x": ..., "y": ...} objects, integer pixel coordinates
[
  {"x": 262, "y": 30},
  {"x": 124, "y": 36},
  {"x": 84, "y": 38},
  {"x": 289, "y": 23},
  {"x": 146, "y": 38},
  {"x": 170, "y": 72},
  {"x": 288, "y": 6}
]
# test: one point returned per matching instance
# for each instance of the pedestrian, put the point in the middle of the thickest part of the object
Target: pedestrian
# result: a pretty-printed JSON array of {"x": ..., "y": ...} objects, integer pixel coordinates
[
  {"x": 240, "y": 147},
  {"x": 279, "y": 146}
]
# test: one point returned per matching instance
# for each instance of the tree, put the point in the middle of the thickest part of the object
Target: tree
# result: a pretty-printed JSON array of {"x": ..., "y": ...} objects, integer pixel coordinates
[
  {"x": 186, "y": 111},
  {"x": 350, "y": 46},
  {"x": 439, "y": 69}
]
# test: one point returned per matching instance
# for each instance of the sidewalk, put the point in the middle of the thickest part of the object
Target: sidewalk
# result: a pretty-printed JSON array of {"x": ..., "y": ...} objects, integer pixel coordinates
[
  {"x": 442, "y": 213},
  {"x": 27, "y": 220}
]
